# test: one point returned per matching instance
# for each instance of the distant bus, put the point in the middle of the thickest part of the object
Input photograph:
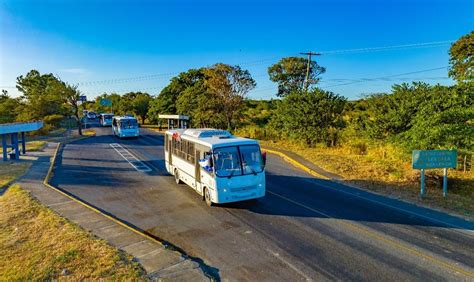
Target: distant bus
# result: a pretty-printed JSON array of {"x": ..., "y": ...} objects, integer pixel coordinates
[
  {"x": 125, "y": 127},
  {"x": 106, "y": 119},
  {"x": 221, "y": 168}
]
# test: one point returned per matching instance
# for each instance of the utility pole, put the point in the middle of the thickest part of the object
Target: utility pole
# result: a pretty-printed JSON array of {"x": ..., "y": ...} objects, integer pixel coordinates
[{"x": 309, "y": 54}]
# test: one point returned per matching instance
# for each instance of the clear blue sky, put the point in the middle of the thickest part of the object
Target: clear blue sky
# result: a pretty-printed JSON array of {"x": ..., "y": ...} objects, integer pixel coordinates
[{"x": 83, "y": 41}]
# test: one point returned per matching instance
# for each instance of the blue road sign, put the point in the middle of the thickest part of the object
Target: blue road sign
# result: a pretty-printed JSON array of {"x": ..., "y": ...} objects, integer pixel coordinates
[
  {"x": 105, "y": 102},
  {"x": 423, "y": 159},
  {"x": 83, "y": 98}
]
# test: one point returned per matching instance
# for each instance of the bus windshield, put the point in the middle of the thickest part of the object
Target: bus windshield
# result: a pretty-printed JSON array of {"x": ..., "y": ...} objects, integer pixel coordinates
[
  {"x": 128, "y": 124},
  {"x": 238, "y": 160}
]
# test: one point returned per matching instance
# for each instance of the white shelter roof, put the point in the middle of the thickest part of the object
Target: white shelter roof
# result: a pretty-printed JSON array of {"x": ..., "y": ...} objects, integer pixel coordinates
[{"x": 181, "y": 117}]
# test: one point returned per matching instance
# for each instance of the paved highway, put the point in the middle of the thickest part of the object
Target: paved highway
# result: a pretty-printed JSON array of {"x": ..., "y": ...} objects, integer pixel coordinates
[{"x": 304, "y": 229}]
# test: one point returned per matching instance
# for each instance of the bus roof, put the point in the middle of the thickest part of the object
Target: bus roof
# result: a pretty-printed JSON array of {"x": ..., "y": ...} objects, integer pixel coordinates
[
  {"x": 124, "y": 117},
  {"x": 211, "y": 137}
]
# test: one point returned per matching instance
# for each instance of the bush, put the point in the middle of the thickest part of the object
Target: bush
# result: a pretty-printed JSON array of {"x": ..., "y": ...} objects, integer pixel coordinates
[
  {"x": 359, "y": 148},
  {"x": 312, "y": 117},
  {"x": 53, "y": 120}
]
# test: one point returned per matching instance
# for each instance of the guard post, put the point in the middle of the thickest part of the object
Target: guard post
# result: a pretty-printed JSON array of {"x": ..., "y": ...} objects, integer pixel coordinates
[{"x": 430, "y": 159}]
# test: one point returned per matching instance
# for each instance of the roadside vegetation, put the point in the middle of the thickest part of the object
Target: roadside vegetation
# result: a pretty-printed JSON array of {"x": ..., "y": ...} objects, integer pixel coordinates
[
  {"x": 10, "y": 171},
  {"x": 368, "y": 140},
  {"x": 386, "y": 169},
  {"x": 37, "y": 244}
]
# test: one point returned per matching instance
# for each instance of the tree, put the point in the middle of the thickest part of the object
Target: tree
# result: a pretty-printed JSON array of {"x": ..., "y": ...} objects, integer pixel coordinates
[
  {"x": 40, "y": 95},
  {"x": 420, "y": 116},
  {"x": 314, "y": 116},
  {"x": 114, "y": 98},
  {"x": 71, "y": 96},
  {"x": 462, "y": 59},
  {"x": 290, "y": 74},
  {"x": 126, "y": 103},
  {"x": 8, "y": 107},
  {"x": 140, "y": 105},
  {"x": 166, "y": 101},
  {"x": 229, "y": 85}
]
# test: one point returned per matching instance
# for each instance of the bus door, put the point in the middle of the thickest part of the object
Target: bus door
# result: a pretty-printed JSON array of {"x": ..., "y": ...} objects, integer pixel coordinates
[
  {"x": 197, "y": 169},
  {"x": 170, "y": 149}
]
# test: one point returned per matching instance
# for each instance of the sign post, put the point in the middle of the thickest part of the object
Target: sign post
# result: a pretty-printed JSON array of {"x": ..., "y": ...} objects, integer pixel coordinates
[{"x": 429, "y": 159}]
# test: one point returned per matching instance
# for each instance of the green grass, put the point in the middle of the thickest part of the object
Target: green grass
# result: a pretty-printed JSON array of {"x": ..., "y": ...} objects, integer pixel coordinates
[
  {"x": 38, "y": 244},
  {"x": 386, "y": 169}
]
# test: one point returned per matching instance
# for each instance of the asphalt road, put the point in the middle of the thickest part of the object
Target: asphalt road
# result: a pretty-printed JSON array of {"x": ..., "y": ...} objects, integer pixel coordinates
[{"x": 304, "y": 229}]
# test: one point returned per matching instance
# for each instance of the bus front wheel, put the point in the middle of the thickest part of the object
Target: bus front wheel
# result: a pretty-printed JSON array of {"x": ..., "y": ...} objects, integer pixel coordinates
[
  {"x": 176, "y": 176},
  {"x": 207, "y": 197}
]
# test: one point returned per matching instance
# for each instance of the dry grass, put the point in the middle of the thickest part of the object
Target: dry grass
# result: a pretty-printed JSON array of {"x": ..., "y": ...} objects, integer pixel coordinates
[
  {"x": 31, "y": 146},
  {"x": 88, "y": 132},
  {"x": 9, "y": 171},
  {"x": 37, "y": 244},
  {"x": 387, "y": 169}
]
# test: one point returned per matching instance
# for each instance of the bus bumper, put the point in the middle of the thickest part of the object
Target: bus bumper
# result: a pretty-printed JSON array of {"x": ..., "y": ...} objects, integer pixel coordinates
[{"x": 229, "y": 197}]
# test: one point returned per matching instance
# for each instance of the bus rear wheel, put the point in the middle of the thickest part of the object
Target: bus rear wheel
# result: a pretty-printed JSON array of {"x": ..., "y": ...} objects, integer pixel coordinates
[
  {"x": 207, "y": 197},
  {"x": 176, "y": 176}
]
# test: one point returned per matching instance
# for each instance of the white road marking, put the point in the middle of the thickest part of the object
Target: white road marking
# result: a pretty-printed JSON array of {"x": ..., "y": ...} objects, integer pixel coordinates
[{"x": 130, "y": 158}]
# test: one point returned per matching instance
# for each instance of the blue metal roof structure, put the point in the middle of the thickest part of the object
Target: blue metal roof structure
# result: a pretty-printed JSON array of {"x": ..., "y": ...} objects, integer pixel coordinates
[{"x": 13, "y": 129}]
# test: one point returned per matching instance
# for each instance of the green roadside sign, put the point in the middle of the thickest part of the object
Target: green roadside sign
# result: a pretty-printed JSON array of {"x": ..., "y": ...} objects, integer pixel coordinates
[
  {"x": 429, "y": 159},
  {"x": 424, "y": 159},
  {"x": 106, "y": 102}
]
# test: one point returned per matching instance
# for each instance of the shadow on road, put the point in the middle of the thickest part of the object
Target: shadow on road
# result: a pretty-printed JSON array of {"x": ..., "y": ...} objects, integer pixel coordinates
[{"x": 312, "y": 197}]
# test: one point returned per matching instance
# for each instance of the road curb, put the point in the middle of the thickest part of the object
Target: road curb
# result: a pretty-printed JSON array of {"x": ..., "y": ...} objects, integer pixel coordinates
[
  {"x": 296, "y": 163},
  {"x": 166, "y": 245}
]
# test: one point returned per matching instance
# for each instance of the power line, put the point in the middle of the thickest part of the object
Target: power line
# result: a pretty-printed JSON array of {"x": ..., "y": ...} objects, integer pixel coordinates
[
  {"x": 384, "y": 77},
  {"x": 129, "y": 79},
  {"x": 388, "y": 48},
  {"x": 266, "y": 60}
]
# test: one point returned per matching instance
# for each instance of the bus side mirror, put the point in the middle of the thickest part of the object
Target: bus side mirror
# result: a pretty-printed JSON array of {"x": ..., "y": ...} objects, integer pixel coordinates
[{"x": 264, "y": 158}]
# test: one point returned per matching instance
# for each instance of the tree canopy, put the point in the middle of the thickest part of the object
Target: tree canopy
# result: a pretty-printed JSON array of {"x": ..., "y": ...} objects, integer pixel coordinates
[
  {"x": 290, "y": 74},
  {"x": 462, "y": 58}
]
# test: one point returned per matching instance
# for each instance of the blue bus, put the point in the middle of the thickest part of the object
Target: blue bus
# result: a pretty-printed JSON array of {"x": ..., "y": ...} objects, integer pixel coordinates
[{"x": 125, "y": 127}]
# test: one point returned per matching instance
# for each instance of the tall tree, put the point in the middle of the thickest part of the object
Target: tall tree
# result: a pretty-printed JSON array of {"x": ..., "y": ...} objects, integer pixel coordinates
[
  {"x": 290, "y": 74},
  {"x": 141, "y": 105},
  {"x": 40, "y": 95},
  {"x": 71, "y": 96},
  {"x": 230, "y": 85},
  {"x": 166, "y": 101},
  {"x": 462, "y": 59}
]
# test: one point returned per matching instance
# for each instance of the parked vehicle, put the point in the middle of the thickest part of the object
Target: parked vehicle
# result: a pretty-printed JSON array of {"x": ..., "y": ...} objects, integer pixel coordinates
[
  {"x": 125, "y": 127},
  {"x": 221, "y": 168},
  {"x": 105, "y": 119}
]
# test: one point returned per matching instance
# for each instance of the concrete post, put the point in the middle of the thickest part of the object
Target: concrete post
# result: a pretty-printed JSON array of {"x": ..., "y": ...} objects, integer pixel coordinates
[
  {"x": 23, "y": 143},
  {"x": 422, "y": 191},
  {"x": 14, "y": 139},
  {"x": 445, "y": 182},
  {"x": 5, "y": 148}
]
